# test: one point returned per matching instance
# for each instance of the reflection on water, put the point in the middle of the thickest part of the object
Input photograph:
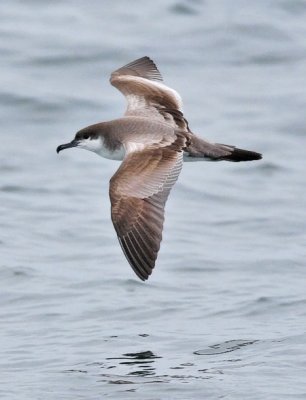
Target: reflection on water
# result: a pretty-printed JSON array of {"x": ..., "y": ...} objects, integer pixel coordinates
[
  {"x": 172, "y": 373},
  {"x": 226, "y": 347},
  {"x": 143, "y": 360},
  {"x": 141, "y": 367}
]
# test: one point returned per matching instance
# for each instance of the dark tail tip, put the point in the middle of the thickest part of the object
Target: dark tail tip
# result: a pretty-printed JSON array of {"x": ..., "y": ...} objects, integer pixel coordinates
[{"x": 238, "y": 155}]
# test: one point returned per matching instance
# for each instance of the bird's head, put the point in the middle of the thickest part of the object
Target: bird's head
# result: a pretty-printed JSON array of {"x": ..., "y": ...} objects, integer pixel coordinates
[{"x": 88, "y": 138}]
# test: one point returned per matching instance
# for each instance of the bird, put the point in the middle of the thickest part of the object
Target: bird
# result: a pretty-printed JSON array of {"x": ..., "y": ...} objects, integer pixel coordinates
[{"x": 152, "y": 140}]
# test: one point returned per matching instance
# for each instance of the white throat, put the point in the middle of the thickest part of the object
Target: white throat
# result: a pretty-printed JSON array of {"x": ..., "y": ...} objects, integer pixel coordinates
[{"x": 97, "y": 146}]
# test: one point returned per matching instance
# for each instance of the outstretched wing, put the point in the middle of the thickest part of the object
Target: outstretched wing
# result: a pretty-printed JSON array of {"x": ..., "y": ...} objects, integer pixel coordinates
[
  {"x": 141, "y": 83},
  {"x": 138, "y": 193}
]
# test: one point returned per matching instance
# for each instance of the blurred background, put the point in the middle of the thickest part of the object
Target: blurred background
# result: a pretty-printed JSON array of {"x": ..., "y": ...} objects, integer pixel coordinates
[{"x": 223, "y": 315}]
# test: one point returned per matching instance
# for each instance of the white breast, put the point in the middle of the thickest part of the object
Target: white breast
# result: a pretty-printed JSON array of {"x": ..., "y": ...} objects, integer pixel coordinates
[
  {"x": 117, "y": 154},
  {"x": 97, "y": 146}
]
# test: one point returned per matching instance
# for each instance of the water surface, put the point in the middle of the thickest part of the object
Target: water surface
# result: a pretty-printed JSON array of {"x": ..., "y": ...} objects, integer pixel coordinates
[{"x": 223, "y": 315}]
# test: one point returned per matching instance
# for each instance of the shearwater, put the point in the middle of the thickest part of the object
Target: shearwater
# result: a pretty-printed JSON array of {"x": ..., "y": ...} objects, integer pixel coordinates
[{"x": 152, "y": 139}]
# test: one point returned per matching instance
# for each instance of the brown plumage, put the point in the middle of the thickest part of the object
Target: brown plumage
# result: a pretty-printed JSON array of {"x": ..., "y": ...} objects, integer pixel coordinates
[
  {"x": 138, "y": 201},
  {"x": 153, "y": 139}
]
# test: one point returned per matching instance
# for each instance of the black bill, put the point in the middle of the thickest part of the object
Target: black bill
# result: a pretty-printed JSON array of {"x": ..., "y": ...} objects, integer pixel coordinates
[{"x": 74, "y": 143}]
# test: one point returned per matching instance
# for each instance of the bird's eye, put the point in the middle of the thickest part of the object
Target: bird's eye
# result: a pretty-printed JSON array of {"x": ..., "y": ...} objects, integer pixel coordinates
[{"x": 86, "y": 136}]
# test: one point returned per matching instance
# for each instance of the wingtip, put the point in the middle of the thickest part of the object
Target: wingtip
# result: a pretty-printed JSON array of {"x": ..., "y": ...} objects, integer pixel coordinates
[
  {"x": 144, "y": 67},
  {"x": 141, "y": 276}
]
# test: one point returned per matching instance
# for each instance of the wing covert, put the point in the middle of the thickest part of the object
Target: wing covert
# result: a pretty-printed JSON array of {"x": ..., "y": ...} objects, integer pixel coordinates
[{"x": 141, "y": 83}]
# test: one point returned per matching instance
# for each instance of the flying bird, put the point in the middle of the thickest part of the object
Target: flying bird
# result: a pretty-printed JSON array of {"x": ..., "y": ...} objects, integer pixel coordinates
[{"x": 152, "y": 140}]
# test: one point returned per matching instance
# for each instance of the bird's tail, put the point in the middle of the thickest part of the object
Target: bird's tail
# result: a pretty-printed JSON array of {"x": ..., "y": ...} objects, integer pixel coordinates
[
  {"x": 199, "y": 149},
  {"x": 238, "y": 155}
]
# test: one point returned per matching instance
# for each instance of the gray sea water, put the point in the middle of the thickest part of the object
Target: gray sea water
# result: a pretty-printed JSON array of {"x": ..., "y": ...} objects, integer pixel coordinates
[{"x": 224, "y": 314}]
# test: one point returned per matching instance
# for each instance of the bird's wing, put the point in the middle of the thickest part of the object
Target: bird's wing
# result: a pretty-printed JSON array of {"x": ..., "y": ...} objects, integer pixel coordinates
[
  {"x": 142, "y": 84},
  {"x": 138, "y": 193}
]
